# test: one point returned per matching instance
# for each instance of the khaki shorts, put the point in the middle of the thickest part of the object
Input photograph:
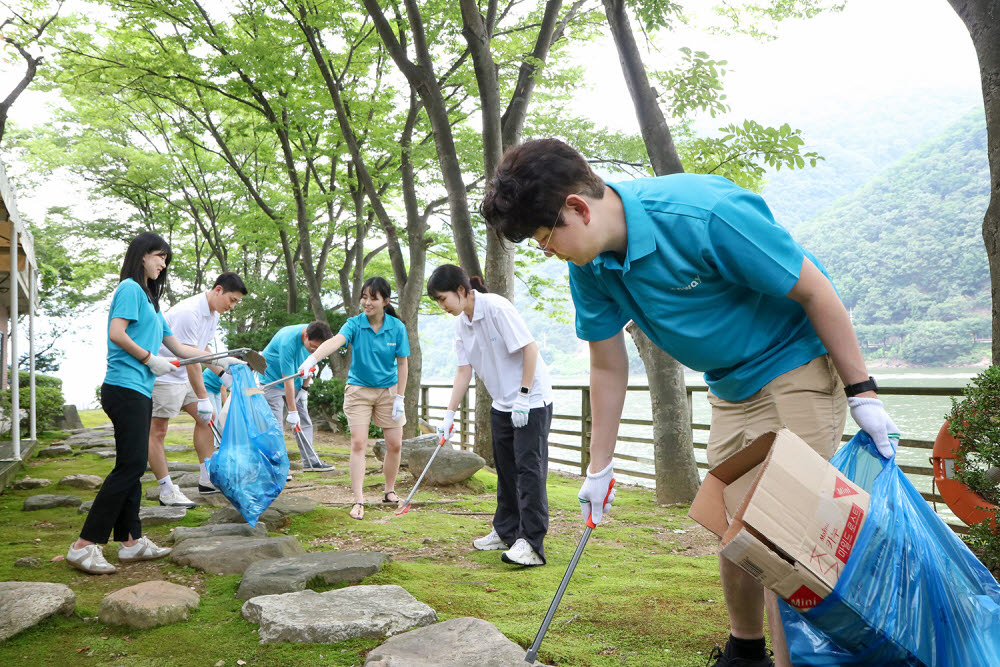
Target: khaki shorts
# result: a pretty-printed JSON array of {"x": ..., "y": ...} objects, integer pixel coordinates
[
  {"x": 170, "y": 397},
  {"x": 367, "y": 405},
  {"x": 808, "y": 400}
]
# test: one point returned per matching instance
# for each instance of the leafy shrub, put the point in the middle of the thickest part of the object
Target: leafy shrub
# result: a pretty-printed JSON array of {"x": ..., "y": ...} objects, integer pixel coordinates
[
  {"x": 326, "y": 397},
  {"x": 373, "y": 430},
  {"x": 48, "y": 402}
]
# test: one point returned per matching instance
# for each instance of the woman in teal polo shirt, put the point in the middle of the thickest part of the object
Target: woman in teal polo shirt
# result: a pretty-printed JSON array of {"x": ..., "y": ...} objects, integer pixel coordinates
[
  {"x": 136, "y": 328},
  {"x": 375, "y": 383}
]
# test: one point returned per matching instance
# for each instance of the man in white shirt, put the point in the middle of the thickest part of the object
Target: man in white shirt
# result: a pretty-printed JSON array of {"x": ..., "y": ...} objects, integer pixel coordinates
[{"x": 193, "y": 322}]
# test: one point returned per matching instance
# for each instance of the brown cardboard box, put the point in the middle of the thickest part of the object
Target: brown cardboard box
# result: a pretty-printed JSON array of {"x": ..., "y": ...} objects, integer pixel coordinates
[{"x": 785, "y": 515}]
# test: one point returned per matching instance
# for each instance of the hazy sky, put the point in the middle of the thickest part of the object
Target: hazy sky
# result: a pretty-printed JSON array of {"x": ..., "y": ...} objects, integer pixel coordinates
[{"x": 873, "y": 49}]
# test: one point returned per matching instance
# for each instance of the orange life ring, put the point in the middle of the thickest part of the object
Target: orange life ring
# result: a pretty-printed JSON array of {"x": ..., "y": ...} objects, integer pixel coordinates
[{"x": 967, "y": 505}]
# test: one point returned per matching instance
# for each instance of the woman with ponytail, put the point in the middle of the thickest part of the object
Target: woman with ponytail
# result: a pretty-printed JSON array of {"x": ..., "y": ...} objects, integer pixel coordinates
[
  {"x": 492, "y": 339},
  {"x": 375, "y": 384}
]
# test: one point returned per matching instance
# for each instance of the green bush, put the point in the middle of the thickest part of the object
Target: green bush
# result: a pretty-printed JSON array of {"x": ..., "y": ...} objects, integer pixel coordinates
[
  {"x": 48, "y": 402},
  {"x": 373, "y": 430},
  {"x": 326, "y": 397}
]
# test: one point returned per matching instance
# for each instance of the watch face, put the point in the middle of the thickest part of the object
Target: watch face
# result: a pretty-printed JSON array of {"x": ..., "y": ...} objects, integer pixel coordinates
[{"x": 524, "y": 390}]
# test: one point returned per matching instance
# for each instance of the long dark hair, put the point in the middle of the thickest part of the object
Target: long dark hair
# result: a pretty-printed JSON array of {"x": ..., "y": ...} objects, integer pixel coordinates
[
  {"x": 133, "y": 267},
  {"x": 448, "y": 278},
  {"x": 379, "y": 285}
]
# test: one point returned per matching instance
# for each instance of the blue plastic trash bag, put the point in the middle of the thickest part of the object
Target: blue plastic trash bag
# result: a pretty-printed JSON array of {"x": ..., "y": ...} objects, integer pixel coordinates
[
  {"x": 251, "y": 464},
  {"x": 911, "y": 593}
]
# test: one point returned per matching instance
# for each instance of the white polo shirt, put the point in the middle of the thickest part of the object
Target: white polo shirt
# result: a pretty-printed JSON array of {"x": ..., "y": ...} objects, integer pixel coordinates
[
  {"x": 491, "y": 342},
  {"x": 193, "y": 323}
]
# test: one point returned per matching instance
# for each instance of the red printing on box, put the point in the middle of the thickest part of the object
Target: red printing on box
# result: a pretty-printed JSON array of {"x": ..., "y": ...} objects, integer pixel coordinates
[
  {"x": 804, "y": 598},
  {"x": 850, "y": 532},
  {"x": 841, "y": 488}
]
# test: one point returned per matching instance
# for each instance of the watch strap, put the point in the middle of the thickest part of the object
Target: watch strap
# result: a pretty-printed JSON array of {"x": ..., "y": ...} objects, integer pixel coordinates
[{"x": 861, "y": 387}]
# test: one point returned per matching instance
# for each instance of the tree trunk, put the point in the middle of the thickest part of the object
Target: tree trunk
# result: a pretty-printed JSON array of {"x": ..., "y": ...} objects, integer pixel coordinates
[
  {"x": 677, "y": 477},
  {"x": 982, "y": 18}
]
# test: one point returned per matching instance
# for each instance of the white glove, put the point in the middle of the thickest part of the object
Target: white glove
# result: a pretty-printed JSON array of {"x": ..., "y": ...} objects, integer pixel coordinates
[
  {"x": 870, "y": 415},
  {"x": 292, "y": 418},
  {"x": 397, "y": 407},
  {"x": 225, "y": 362},
  {"x": 597, "y": 493},
  {"x": 227, "y": 379},
  {"x": 308, "y": 367},
  {"x": 205, "y": 410},
  {"x": 522, "y": 405},
  {"x": 302, "y": 396},
  {"x": 159, "y": 366},
  {"x": 447, "y": 427}
]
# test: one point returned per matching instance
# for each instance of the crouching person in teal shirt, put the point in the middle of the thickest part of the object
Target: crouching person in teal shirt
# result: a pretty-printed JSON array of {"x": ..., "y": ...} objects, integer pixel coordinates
[{"x": 700, "y": 265}]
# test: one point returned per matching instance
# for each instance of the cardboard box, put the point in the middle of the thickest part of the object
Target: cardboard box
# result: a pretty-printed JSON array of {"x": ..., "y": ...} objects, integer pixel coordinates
[{"x": 785, "y": 515}]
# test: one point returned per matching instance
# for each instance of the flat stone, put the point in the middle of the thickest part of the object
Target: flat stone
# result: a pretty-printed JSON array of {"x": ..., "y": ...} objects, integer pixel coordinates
[
  {"x": 88, "y": 437},
  {"x": 177, "y": 466},
  {"x": 232, "y": 554},
  {"x": 148, "y": 605},
  {"x": 28, "y": 561},
  {"x": 450, "y": 466},
  {"x": 102, "y": 453},
  {"x": 82, "y": 481},
  {"x": 85, "y": 507},
  {"x": 31, "y": 483},
  {"x": 186, "y": 478},
  {"x": 176, "y": 449},
  {"x": 271, "y": 518},
  {"x": 297, "y": 573},
  {"x": 147, "y": 478},
  {"x": 426, "y": 440},
  {"x": 458, "y": 642},
  {"x": 155, "y": 516},
  {"x": 290, "y": 505},
  {"x": 24, "y": 604},
  {"x": 181, "y": 533},
  {"x": 95, "y": 443},
  {"x": 55, "y": 451},
  {"x": 335, "y": 616},
  {"x": 44, "y": 501}
]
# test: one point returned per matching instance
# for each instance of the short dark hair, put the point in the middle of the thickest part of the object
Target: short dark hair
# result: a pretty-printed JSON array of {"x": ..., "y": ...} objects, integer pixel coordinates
[
  {"x": 133, "y": 267},
  {"x": 530, "y": 184},
  {"x": 319, "y": 330},
  {"x": 230, "y": 282}
]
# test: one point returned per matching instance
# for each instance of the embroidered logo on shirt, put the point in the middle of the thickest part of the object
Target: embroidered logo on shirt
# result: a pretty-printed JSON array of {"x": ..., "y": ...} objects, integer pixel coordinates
[
  {"x": 691, "y": 285},
  {"x": 391, "y": 344}
]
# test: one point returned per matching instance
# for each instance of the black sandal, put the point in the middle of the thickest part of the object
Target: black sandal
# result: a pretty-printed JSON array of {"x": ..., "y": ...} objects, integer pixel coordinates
[
  {"x": 359, "y": 518},
  {"x": 385, "y": 497}
]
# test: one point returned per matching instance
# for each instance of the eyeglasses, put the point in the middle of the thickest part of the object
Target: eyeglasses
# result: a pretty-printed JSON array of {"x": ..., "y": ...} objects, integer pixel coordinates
[{"x": 544, "y": 247}]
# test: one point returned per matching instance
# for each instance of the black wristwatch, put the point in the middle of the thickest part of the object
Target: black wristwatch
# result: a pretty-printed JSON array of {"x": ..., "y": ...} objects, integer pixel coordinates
[
  {"x": 861, "y": 387},
  {"x": 525, "y": 390}
]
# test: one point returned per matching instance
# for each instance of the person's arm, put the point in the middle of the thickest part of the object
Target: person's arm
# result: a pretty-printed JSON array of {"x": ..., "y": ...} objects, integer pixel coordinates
[
  {"x": 463, "y": 377},
  {"x": 402, "y": 370},
  {"x": 608, "y": 380},
  {"x": 530, "y": 362},
  {"x": 117, "y": 335}
]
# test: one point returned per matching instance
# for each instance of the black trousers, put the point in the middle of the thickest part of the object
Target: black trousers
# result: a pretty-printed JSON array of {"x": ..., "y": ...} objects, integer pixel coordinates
[
  {"x": 116, "y": 506},
  {"x": 521, "y": 457}
]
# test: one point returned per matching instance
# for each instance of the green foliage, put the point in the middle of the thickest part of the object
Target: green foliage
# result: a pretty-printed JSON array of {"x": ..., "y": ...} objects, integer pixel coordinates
[
  {"x": 258, "y": 338},
  {"x": 373, "y": 430},
  {"x": 326, "y": 397},
  {"x": 48, "y": 402}
]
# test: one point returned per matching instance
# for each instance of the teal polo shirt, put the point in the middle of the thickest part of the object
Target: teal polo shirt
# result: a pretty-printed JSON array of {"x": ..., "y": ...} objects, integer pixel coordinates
[
  {"x": 284, "y": 354},
  {"x": 146, "y": 327},
  {"x": 373, "y": 355},
  {"x": 213, "y": 383},
  {"x": 705, "y": 276}
]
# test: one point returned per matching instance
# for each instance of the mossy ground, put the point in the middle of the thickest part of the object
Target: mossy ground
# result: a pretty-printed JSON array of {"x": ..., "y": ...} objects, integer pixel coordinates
[{"x": 646, "y": 591}]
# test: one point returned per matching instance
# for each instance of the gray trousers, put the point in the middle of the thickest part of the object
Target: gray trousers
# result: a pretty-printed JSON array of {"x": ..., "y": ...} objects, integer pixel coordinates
[{"x": 276, "y": 399}]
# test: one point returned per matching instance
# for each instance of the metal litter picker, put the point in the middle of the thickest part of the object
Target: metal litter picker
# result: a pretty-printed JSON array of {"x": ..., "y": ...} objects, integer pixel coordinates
[
  {"x": 253, "y": 358},
  {"x": 260, "y": 389},
  {"x": 532, "y": 653},
  {"x": 406, "y": 505}
]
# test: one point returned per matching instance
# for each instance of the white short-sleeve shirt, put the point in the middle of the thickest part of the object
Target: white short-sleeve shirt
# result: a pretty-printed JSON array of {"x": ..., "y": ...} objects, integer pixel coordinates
[
  {"x": 193, "y": 323},
  {"x": 491, "y": 342}
]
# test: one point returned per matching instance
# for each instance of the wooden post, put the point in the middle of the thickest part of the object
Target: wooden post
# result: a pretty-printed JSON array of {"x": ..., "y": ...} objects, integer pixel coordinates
[
  {"x": 584, "y": 430},
  {"x": 425, "y": 395},
  {"x": 463, "y": 411}
]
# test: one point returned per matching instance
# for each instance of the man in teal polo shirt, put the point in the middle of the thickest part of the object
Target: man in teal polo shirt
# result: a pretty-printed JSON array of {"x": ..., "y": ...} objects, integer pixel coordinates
[
  {"x": 289, "y": 348},
  {"x": 700, "y": 265}
]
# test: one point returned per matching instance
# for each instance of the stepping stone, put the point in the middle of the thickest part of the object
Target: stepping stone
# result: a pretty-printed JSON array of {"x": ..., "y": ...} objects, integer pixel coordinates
[
  {"x": 271, "y": 518},
  {"x": 148, "y": 605},
  {"x": 335, "y": 616},
  {"x": 296, "y": 573},
  {"x": 106, "y": 453},
  {"x": 82, "y": 481},
  {"x": 95, "y": 443},
  {"x": 156, "y": 516},
  {"x": 181, "y": 533},
  {"x": 232, "y": 554},
  {"x": 28, "y": 561},
  {"x": 85, "y": 507},
  {"x": 45, "y": 501},
  {"x": 88, "y": 438},
  {"x": 177, "y": 466},
  {"x": 31, "y": 483},
  {"x": 450, "y": 466},
  {"x": 55, "y": 451},
  {"x": 458, "y": 642},
  {"x": 24, "y": 604},
  {"x": 186, "y": 479},
  {"x": 290, "y": 505},
  {"x": 147, "y": 478},
  {"x": 426, "y": 440},
  {"x": 176, "y": 449}
]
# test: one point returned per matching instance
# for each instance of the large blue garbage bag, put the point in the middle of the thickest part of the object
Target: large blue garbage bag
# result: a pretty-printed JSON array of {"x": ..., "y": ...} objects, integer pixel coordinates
[
  {"x": 911, "y": 593},
  {"x": 251, "y": 464}
]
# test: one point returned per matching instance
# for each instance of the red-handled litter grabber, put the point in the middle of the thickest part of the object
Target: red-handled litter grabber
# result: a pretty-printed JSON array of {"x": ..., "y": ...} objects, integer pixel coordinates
[
  {"x": 254, "y": 359},
  {"x": 406, "y": 505},
  {"x": 216, "y": 433},
  {"x": 532, "y": 653}
]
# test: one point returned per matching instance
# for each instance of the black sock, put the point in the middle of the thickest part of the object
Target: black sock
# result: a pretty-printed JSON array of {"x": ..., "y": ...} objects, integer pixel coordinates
[{"x": 751, "y": 649}]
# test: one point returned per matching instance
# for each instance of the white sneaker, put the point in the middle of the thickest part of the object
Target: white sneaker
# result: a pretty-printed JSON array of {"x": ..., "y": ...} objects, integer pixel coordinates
[
  {"x": 490, "y": 542},
  {"x": 174, "y": 498},
  {"x": 143, "y": 549},
  {"x": 90, "y": 559},
  {"x": 521, "y": 554}
]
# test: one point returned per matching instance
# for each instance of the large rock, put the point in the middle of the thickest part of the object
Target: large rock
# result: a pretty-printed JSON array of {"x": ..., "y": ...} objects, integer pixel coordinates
[
  {"x": 450, "y": 466},
  {"x": 155, "y": 516},
  {"x": 426, "y": 440},
  {"x": 296, "y": 573},
  {"x": 24, "y": 604},
  {"x": 45, "y": 501},
  {"x": 31, "y": 483},
  {"x": 82, "y": 481},
  {"x": 148, "y": 605},
  {"x": 85, "y": 507},
  {"x": 232, "y": 554},
  {"x": 70, "y": 418},
  {"x": 181, "y": 533},
  {"x": 271, "y": 518},
  {"x": 55, "y": 451},
  {"x": 335, "y": 616},
  {"x": 458, "y": 642}
]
